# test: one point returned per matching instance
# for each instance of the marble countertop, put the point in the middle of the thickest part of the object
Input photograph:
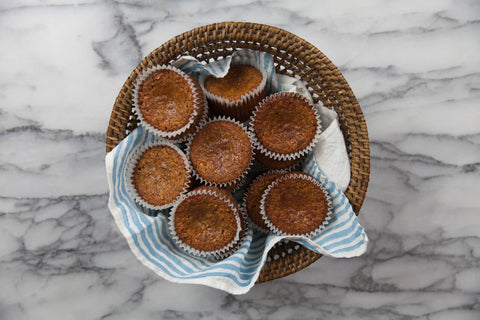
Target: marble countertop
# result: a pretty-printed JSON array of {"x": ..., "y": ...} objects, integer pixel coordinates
[{"x": 413, "y": 65}]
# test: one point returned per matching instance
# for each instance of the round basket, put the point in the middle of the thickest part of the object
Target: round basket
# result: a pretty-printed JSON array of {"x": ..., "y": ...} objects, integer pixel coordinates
[{"x": 293, "y": 56}]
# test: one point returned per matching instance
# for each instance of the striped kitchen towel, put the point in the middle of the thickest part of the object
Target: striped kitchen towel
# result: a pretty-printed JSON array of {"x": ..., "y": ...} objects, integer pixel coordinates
[
  {"x": 148, "y": 236},
  {"x": 150, "y": 241}
]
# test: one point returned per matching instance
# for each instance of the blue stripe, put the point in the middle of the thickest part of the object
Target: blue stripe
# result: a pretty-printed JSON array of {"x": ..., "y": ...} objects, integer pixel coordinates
[
  {"x": 261, "y": 243},
  {"x": 331, "y": 189},
  {"x": 352, "y": 247},
  {"x": 336, "y": 196},
  {"x": 241, "y": 267},
  {"x": 216, "y": 68},
  {"x": 185, "y": 64},
  {"x": 340, "y": 204},
  {"x": 311, "y": 170},
  {"x": 192, "y": 69},
  {"x": 331, "y": 232},
  {"x": 353, "y": 232}
]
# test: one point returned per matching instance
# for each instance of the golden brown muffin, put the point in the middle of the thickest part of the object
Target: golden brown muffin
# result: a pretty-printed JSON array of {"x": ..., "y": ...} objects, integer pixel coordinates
[
  {"x": 160, "y": 175},
  {"x": 236, "y": 94},
  {"x": 221, "y": 152},
  {"x": 170, "y": 100},
  {"x": 205, "y": 221},
  {"x": 284, "y": 124},
  {"x": 294, "y": 204}
]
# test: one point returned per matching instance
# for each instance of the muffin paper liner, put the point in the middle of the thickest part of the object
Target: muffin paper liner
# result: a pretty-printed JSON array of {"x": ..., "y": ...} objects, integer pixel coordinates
[
  {"x": 197, "y": 97},
  {"x": 234, "y": 184},
  {"x": 281, "y": 179},
  {"x": 255, "y": 226},
  {"x": 149, "y": 238},
  {"x": 245, "y": 229},
  {"x": 217, "y": 254},
  {"x": 132, "y": 162},
  {"x": 285, "y": 156}
]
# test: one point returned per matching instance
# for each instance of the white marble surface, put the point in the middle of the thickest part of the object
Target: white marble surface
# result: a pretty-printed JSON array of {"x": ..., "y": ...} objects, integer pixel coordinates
[{"x": 413, "y": 65}]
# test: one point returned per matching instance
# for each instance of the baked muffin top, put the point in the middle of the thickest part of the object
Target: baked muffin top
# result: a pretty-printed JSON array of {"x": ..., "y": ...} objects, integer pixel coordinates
[
  {"x": 285, "y": 123},
  {"x": 205, "y": 222},
  {"x": 160, "y": 175},
  {"x": 221, "y": 151},
  {"x": 240, "y": 80},
  {"x": 295, "y": 204},
  {"x": 166, "y": 99}
]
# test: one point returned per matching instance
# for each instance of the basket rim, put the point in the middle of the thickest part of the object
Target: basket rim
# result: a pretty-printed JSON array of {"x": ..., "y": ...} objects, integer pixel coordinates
[{"x": 291, "y": 48}]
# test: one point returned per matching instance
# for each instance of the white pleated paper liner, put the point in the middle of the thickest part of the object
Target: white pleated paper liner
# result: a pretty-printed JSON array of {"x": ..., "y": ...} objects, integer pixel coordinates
[{"x": 149, "y": 239}]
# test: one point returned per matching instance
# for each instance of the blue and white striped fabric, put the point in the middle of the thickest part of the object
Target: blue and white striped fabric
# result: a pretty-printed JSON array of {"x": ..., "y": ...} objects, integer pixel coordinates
[{"x": 149, "y": 238}]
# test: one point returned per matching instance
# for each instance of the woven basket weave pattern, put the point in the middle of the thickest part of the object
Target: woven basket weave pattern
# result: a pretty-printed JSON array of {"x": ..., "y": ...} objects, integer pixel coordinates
[{"x": 293, "y": 56}]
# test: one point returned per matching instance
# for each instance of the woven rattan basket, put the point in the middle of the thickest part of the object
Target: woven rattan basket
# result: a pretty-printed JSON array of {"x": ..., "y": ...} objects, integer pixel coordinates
[{"x": 293, "y": 56}]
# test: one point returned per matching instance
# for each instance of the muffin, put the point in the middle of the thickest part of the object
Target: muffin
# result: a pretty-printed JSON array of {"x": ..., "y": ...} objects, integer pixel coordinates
[
  {"x": 159, "y": 175},
  {"x": 169, "y": 102},
  {"x": 236, "y": 94},
  {"x": 253, "y": 197},
  {"x": 296, "y": 204},
  {"x": 207, "y": 223},
  {"x": 285, "y": 127},
  {"x": 221, "y": 152}
]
